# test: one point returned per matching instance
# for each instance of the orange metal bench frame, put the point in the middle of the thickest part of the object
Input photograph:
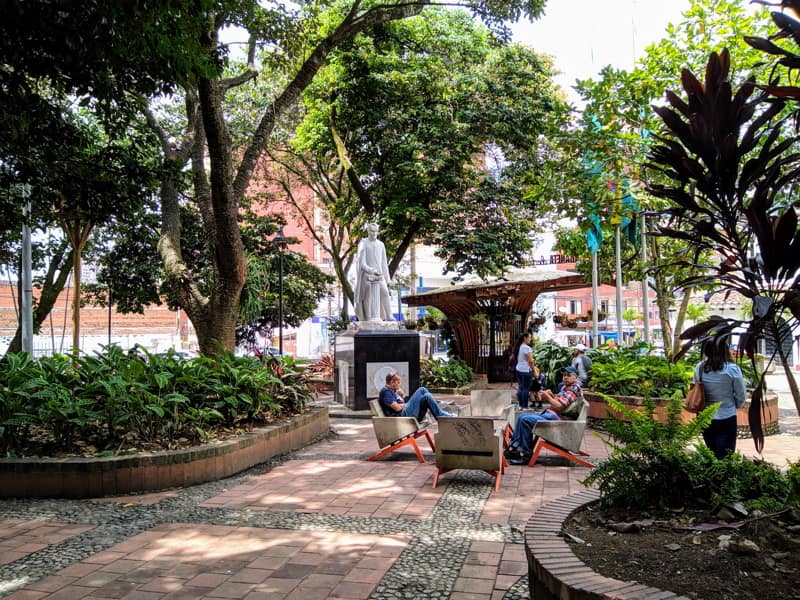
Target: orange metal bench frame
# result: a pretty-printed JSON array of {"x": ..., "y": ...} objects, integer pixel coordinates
[{"x": 405, "y": 441}]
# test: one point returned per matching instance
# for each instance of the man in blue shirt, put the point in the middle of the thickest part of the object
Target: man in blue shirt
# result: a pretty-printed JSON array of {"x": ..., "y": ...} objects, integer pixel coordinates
[{"x": 393, "y": 402}]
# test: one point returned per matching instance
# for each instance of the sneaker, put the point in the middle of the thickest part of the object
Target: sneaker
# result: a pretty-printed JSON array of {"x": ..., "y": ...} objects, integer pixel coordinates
[
  {"x": 521, "y": 459},
  {"x": 447, "y": 413}
]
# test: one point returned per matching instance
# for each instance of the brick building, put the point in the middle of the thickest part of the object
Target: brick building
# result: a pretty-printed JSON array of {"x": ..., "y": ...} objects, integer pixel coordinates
[{"x": 158, "y": 329}]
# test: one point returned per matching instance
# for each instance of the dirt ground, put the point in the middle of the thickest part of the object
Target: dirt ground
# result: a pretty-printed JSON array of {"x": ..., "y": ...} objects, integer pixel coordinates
[{"x": 690, "y": 554}]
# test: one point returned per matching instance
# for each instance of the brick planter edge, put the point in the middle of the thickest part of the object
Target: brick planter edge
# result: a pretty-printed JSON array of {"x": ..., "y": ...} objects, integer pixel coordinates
[
  {"x": 555, "y": 573},
  {"x": 151, "y": 471}
]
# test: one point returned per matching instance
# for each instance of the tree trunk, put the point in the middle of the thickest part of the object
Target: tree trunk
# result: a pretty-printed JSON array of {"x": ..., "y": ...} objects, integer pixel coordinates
[
  {"x": 215, "y": 318},
  {"x": 680, "y": 316},
  {"x": 228, "y": 258},
  {"x": 77, "y": 231}
]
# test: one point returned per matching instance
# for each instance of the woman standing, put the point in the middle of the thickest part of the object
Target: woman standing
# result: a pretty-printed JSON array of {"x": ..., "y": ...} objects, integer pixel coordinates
[
  {"x": 524, "y": 369},
  {"x": 723, "y": 384}
]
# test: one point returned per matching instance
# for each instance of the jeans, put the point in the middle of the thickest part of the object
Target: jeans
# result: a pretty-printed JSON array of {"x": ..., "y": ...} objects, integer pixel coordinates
[
  {"x": 420, "y": 403},
  {"x": 522, "y": 439},
  {"x": 720, "y": 436},
  {"x": 524, "y": 381}
]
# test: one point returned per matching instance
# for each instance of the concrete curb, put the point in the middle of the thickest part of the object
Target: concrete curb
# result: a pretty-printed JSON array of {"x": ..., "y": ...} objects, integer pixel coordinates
[{"x": 555, "y": 573}]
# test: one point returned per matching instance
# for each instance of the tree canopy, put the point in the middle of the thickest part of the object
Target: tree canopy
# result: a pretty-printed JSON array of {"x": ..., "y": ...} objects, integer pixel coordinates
[
  {"x": 432, "y": 128},
  {"x": 617, "y": 128},
  {"x": 123, "y": 54}
]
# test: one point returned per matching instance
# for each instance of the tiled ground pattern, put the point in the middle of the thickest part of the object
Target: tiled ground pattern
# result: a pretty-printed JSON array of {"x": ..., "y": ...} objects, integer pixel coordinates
[{"x": 321, "y": 523}]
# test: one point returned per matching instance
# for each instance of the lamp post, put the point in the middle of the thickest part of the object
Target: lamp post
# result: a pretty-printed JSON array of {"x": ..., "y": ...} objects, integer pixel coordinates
[
  {"x": 280, "y": 239},
  {"x": 109, "y": 314}
]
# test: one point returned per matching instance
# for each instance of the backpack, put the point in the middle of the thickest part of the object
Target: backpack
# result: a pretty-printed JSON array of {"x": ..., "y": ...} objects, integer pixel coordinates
[
  {"x": 573, "y": 411},
  {"x": 587, "y": 366},
  {"x": 512, "y": 361}
]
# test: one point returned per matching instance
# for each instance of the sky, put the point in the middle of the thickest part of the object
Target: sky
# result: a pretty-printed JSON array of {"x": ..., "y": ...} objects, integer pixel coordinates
[{"x": 585, "y": 35}]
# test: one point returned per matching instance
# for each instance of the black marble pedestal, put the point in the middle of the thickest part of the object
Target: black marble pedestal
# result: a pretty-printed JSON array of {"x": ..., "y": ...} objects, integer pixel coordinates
[{"x": 375, "y": 353}]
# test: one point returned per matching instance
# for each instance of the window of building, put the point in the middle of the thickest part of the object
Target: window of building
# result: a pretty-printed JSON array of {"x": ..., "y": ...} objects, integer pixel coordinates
[{"x": 574, "y": 307}]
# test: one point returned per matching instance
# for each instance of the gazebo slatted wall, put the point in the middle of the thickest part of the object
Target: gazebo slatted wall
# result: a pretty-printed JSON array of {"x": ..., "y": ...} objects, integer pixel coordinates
[{"x": 510, "y": 295}]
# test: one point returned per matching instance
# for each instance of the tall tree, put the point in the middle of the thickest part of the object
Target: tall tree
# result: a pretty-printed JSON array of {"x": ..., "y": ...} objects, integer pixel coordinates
[
  {"x": 67, "y": 62},
  {"x": 89, "y": 178},
  {"x": 299, "y": 40},
  {"x": 616, "y": 131},
  {"x": 429, "y": 127},
  {"x": 730, "y": 164},
  {"x": 178, "y": 42}
]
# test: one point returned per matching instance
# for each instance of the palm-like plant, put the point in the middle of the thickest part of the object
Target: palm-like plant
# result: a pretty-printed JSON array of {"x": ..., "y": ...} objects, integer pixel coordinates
[{"x": 730, "y": 166}]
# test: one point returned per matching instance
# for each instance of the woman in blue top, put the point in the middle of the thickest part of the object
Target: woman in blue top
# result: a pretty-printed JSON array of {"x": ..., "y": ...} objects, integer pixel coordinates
[{"x": 723, "y": 384}]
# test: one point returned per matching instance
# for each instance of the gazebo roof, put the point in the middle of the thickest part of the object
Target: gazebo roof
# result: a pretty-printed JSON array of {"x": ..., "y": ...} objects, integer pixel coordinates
[{"x": 516, "y": 292}]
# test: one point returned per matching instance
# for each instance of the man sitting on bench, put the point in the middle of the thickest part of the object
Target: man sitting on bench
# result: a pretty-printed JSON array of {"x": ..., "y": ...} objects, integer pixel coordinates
[
  {"x": 393, "y": 402},
  {"x": 519, "y": 448}
]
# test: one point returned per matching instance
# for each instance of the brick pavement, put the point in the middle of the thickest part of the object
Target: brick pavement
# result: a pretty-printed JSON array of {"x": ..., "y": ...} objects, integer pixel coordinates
[{"x": 320, "y": 523}]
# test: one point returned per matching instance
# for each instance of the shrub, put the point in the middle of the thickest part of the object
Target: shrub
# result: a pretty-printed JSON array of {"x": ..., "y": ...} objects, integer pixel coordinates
[
  {"x": 551, "y": 358},
  {"x": 623, "y": 370},
  {"x": 655, "y": 464},
  {"x": 435, "y": 372},
  {"x": 152, "y": 397},
  {"x": 649, "y": 464},
  {"x": 758, "y": 485}
]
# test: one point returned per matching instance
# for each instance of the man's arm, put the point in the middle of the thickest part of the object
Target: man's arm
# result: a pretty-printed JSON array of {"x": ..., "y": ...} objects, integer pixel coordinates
[
  {"x": 566, "y": 396},
  {"x": 399, "y": 404},
  {"x": 389, "y": 398}
]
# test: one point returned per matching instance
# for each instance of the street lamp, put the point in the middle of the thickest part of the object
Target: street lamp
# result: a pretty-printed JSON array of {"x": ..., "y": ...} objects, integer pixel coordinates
[{"x": 280, "y": 239}]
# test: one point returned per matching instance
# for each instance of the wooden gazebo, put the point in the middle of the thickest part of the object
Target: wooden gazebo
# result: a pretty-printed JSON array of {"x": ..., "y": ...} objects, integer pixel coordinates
[{"x": 483, "y": 343}]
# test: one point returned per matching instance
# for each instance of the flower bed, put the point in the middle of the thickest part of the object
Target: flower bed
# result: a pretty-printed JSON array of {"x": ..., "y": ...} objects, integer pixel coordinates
[
  {"x": 554, "y": 572},
  {"x": 95, "y": 477},
  {"x": 598, "y": 411}
]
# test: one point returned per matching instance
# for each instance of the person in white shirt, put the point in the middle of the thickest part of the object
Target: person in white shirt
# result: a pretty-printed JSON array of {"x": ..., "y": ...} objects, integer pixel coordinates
[{"x": 524, "y": 369}]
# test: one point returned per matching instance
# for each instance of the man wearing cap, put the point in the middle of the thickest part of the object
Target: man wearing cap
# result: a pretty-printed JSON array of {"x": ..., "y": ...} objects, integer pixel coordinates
[
  {"x": 581, "y": 363},
  {"x": 520, "y": 447}
]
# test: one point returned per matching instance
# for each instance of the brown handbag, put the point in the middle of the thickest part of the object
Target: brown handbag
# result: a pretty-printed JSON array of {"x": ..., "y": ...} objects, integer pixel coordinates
[{"x": 695, "y": 398}]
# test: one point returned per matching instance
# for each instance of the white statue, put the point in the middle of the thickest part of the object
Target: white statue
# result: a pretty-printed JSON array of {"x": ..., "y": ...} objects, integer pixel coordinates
[{"x": 372, "y": 284}]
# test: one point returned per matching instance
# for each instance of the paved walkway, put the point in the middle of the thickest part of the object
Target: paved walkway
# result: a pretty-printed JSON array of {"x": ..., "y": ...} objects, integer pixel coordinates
[{"x": 319, "y": 523}]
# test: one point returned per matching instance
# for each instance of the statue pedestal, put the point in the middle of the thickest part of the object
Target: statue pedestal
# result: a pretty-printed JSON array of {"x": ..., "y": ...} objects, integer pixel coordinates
[
  {"x": 361, "y": 372},
  {"x": 377, "y": 326}
]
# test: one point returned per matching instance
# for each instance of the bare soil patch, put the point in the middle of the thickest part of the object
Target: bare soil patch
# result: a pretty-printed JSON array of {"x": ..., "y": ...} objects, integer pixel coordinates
[{"x": 691, "y": 553}]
